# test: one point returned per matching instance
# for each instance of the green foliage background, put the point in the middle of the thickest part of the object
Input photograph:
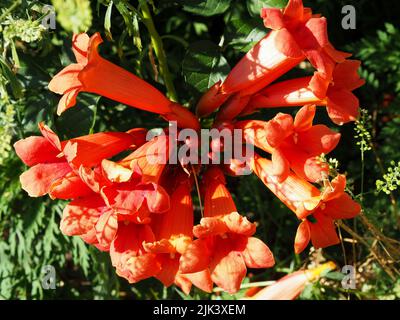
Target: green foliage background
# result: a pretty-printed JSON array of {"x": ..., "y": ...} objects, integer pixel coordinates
[{"x": 202, "y": 39}]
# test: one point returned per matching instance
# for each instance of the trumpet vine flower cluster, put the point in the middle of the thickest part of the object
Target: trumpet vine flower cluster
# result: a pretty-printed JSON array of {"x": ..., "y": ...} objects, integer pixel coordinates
[{"x": 142, "y": 211}]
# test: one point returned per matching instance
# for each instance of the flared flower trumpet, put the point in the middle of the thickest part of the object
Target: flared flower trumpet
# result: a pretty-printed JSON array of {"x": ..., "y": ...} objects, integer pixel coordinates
[
  {"x": 225, "y": 246},
  {"x": 296, "y": 35},
  {"x": 94, "y": 74},
  {"x": 292, "y": 285},
  {"x": 297, "y": 194},
  {"x": 319, "y": 227},
  {"x": 173, "y": 232},
  {"x": 293, "y": 144},
  {"x": 54, "y": 163},
  {"x": 341, "y": 104},
  {"x": 90, "y": 219}
]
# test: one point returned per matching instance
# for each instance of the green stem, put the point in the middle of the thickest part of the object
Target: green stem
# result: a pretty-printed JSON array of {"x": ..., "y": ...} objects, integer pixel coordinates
[
  {"x": 91, "y": 130},
  {"x": 373, "y": 252},
  {"x": 353, "y": 245},
  {"x": 10, "y": 9},
  {"x": 198, "y": 190},
  {"x": 156, "y": 41},
  {"x": 362, "y": 174}
]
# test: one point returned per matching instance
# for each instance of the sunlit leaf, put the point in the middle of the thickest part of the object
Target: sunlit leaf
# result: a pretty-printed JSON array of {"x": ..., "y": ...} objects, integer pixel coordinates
[
  {"x": 206, "y": 7},
  {"x": 204, "y": 65},
  {"x": 107, "y": 20},
  {"x": 255, "y": 6},
  {"x": 242, "y": 32}
]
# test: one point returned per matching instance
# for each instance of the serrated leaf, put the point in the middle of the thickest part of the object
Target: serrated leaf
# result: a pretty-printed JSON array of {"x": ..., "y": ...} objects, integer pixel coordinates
[
  {"x": 80, "y": 254},
  {"x": 255, "y": 6},
  {"x": 206, "y": 7},
  {"x": 204, "y": 65}
]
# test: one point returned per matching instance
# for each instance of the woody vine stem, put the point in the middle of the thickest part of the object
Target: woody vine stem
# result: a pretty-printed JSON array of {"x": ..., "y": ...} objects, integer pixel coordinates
[{"x": 157, "y": 44}]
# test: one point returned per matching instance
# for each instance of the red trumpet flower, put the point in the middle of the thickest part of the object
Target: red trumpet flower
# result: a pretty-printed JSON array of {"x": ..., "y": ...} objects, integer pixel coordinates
[
  {"x": 296, "y": 35},
  {"x": 225, "y": 245},
  {"x": 54, "y": 163},
  {"x": 139, "y": 208},
  {"x": 130, "y": 197},
  {"x": 341, "y": 104},
  {"x": 320, "y": 228},
  {"x": 291, "y": 286},
  {"x": 316, "y": 209},
  {"x": 90, "y": 219},
  {"x": 94, "y": 74},
  {"x": 310, "y": 33},
  {"x": 128, "y": 255},
  {"x": 293, "y": 144},
  {"x": 297, "y": 194},
  {"x": 173, "y": 232}
]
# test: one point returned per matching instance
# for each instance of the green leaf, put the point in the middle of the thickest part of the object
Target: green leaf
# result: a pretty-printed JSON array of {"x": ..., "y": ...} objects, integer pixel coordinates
[
  {"x": 206, "y": 7},
  {"x": 126, "y": 15},
  {"x": 338, "y": 276},
  {"x": 137, "y": 40},
  {"x": 80, "y": 254},
  {"x": 242, "y": 32},
  {"x": 16, "y": 86},
  {"x": 255, "y": 6},
  {"x": 107, "y": 20},
  {"x": 79, "y": 120},
  {"x": 14, "y": 55},
  {"x": 307, "y": 293},
  {"x": 204, "y": 65}
]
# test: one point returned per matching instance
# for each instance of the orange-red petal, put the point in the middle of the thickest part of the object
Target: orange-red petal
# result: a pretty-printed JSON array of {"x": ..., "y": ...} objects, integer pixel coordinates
[
  {"x": 271, "y": 57},
  {"x": 257, "y": 254},
  {"x": 318, "y": 139},
  {"x": 90, "y": 150},
  {"x": 34, "y": 150},
  {"x": 50, "y": 135},
  {"x": 211, "y": 100},
  {"x": 69, "y": 187},
  {"x": 303, "y": 237},
  {"x": 278, "y": 129},
  {"x": 346, "y": 75},
  {"x": 128, "y": 256},
  {"x": 297, "y": 194},
  {"x": 217, "y": 199},
  {"x": 304, "y": 118},
  {"x": 39, "y": 178},
  {"x": 80, "y": 44},
  {"x": 323, "y": 232},
  {"x": 201, "y": 279},
  {"x": 196, "y": 257},
  {"x": 228, "y": 268},
  {"x": 343, "y": 207},
  {"x": 281, "y": 166},
  {"x": 80, "y": 216},
  {"x": 342, "y": 106},
  {"x": 106, "y": 229},
  {"x": 151, "y": 158}
]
